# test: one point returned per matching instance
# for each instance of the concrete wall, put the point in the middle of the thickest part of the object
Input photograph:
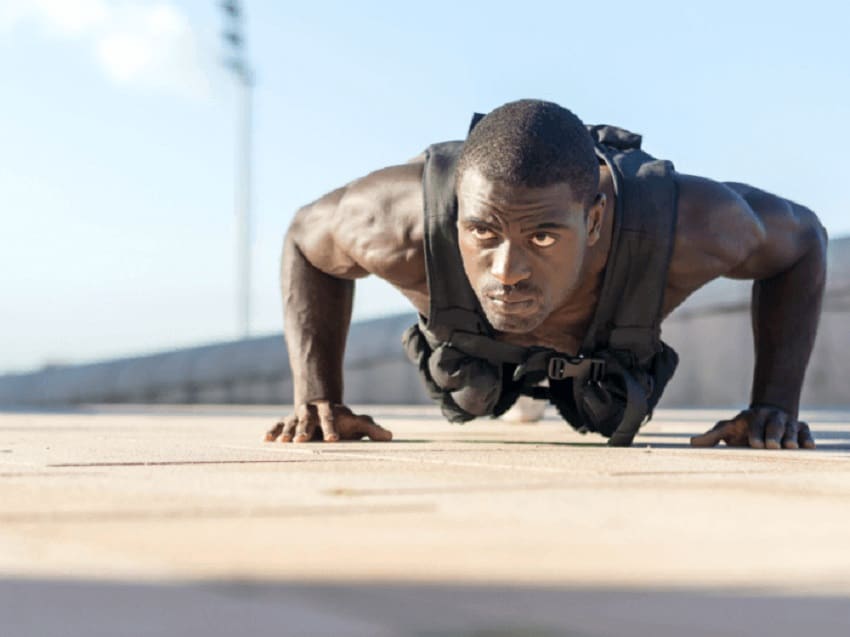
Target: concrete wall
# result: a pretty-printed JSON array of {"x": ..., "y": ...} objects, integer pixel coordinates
[
  {"x": 713, "y": 335},
  {"x": 711, "y": 332},
  {"x": 717, "y": 361},
  {"x": 255, "y": 370}
]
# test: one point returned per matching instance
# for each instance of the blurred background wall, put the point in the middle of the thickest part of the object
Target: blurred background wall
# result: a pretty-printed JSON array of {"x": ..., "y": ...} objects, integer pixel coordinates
[{"x": 711, "y": 332}]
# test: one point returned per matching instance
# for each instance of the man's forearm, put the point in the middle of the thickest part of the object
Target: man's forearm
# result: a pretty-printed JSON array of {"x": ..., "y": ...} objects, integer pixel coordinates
[
  {"x": 785, "y": 313},
  {"x": 317, "y": 313}
]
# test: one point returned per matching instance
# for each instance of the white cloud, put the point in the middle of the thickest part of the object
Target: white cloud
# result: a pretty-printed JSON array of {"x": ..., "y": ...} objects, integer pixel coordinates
[
  {"x": 143, "y": 45},
  {"x": 124, "y": 55}
]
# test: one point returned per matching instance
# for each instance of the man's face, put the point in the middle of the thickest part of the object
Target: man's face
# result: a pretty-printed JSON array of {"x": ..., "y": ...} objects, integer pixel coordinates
[{"x": 522, "y": 248}]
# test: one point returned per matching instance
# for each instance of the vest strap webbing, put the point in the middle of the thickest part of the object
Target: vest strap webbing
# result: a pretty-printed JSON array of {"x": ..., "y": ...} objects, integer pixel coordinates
[{"x": 622, "y": 366}]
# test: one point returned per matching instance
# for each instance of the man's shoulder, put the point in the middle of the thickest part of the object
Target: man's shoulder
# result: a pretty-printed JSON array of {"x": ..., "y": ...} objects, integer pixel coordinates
[
  {"x": 379, "y": 221},
  {"x": 716, "y": 230},
  {"x": 715, "y": 215}
]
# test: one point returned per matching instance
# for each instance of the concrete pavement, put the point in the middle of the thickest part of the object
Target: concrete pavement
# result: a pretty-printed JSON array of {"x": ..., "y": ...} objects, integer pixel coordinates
[{"x": 167, "y": 520}]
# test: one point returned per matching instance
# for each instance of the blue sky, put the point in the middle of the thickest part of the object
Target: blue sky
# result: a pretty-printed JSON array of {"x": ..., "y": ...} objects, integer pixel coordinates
[{"x": 117, "y": 133}]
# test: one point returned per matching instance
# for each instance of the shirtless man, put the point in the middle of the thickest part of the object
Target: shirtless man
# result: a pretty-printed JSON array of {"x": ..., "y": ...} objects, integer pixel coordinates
[{"x": 535, "y": 257}]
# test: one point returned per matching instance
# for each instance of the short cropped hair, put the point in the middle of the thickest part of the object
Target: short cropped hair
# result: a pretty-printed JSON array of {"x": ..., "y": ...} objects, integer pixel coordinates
[{"x": 535, "y": 144}]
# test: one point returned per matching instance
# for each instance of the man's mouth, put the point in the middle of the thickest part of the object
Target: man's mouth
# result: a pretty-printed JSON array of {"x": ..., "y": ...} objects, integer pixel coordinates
[{"x": 512, "y": 304}]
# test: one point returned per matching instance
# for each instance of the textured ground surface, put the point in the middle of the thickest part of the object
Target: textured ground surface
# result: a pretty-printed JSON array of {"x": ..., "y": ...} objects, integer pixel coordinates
[{"x": 161, "y": 521}]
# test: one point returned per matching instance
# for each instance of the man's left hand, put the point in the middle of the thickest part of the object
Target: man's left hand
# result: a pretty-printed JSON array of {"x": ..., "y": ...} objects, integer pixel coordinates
[{"x": 759, "y": 428}]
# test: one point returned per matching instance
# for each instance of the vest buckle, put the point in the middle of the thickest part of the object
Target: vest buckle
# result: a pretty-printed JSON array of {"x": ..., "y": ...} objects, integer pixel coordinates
[
  {"x": 597, "y": 369},
  {"x": 557, "y": 368},
  {"x": 561, "y": 367}
]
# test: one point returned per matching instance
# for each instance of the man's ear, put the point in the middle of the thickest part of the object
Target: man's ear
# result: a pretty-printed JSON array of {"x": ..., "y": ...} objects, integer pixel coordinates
[{"x": 594, "y": 218}]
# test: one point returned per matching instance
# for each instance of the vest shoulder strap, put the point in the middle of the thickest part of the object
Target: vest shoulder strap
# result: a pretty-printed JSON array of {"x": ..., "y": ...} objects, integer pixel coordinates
[
  {"x": 628, "y": 315},
  {"x": 452, "y": 304}
]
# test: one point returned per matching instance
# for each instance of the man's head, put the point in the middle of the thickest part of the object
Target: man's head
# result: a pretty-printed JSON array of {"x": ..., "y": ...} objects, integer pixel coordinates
[{"x": 528, "y": 207}]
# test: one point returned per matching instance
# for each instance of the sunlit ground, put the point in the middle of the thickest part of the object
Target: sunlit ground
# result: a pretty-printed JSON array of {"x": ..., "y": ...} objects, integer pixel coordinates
[{"x": 180, "y": 520}]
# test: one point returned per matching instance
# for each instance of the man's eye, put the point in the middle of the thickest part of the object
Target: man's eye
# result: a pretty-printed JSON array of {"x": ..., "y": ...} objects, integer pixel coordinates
[
  {"x": 542, "y": 239},
  {"x": 482, "y": 233}
]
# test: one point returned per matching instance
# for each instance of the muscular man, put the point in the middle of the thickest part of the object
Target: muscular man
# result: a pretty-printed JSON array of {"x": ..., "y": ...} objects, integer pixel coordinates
[{"x": 541, "y": 249}]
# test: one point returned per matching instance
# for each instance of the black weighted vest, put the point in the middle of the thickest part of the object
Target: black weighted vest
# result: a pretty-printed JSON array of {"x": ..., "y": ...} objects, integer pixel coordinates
[{"x": 615, "y": 381}]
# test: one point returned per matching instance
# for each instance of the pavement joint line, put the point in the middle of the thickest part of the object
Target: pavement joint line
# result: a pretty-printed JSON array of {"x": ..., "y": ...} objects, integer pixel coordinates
[
  {"x": 697, "y": 472},
  {"x": 161, "y": 463},
  {"x": 408, "y": 460},
  {"x": 717, "y": 453},
  {"x": 477, "y": 465}
]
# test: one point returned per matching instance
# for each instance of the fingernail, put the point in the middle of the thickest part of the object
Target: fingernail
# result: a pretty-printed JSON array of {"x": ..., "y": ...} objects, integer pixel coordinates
[
  {"x": 332, "y": 438},
  {"x": 269, "y": 437},
  {"x": 286, "y": 438},
  {"x": 772, "y": 444}
]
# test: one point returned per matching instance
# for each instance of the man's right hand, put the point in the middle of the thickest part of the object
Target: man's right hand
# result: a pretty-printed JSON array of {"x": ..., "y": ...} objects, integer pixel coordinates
[{"x": 322, "y": 420}]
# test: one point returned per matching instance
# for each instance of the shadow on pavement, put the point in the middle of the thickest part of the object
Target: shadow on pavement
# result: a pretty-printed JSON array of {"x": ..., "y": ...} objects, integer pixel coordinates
[{"x": 90, "y": 608}]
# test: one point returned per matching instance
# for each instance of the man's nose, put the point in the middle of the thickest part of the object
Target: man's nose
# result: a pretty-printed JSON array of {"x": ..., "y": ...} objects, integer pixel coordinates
[{"x": 510, "y": 265}]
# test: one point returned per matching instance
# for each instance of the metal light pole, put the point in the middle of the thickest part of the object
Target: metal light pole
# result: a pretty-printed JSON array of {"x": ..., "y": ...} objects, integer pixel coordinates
[{"x": 237, "y": 62}]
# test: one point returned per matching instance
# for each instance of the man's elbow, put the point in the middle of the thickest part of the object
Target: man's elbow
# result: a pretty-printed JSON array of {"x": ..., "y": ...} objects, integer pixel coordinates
[
  {"x": 814, "y": 240},
  {"x": 813, "y": 232},
  {"x": 297, "y": 225},
  {"x": 312, "y": 237},
  {"x": 820, "y": 232},
  {"x": 820, "y": 245},
  {"x": 292, "y": 255}
]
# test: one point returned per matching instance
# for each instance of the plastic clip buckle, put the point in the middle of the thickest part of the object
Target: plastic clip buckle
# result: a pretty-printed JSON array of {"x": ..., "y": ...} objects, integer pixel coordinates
[
  {"x": 597, "y": 370},
  {"x": 558, "y": 367},
  {"x": 561, "y": 367}
]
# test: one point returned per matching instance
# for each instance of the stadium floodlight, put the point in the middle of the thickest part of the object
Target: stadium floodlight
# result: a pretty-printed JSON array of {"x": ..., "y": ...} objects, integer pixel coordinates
[{"x": 234, "y": 41}]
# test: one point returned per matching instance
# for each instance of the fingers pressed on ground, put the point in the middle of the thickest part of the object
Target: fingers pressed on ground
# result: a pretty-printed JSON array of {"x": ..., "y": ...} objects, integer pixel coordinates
[
  {"x": 789, "y": 440},
  {"x": 274, "y": 432},
  {"x": 326, "y": 421},
  {"x": 288, "y": 428},
  {"x": 804, "y": 436},
  {"x": 711, "y": 437},
  {"x": 369, "y": 427},
  {"x": 305, "y": 427},
  {"x": 756, "y": 432},
  {"x": 737, "y": 434},
  {"x": 774, "y": 430}
]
